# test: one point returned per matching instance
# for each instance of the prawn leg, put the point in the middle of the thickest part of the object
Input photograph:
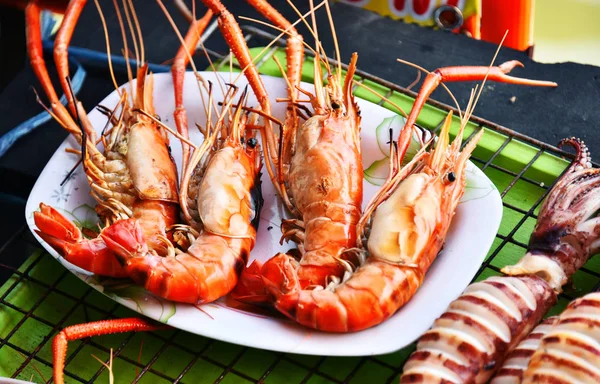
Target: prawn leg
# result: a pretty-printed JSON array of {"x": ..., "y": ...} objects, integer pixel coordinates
[
  {"x": 38, "y": 65},
  {"x": 461, "y": 74},
  {"x": 182, "y": 59},
  {"x": 80, "y": 331},
  {"x": 61, "y": 44}
]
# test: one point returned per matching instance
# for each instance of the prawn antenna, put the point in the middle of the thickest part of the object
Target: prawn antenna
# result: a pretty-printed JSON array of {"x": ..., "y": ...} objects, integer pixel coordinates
[
  {"x": 199, "y": 79},
  {"x": 442, "y": 84},
  {"x": 335, "y": 41},
  {"x": 126, "y": 47},
  {"x": 387, "y": 100},
  {"x": 107, "y": 39},
  {"x": 473, "y": 99},
  {"x": 130, "y": 26},
  {"x": 84, "y": 142},
  {"x": 268, "y": 46}
]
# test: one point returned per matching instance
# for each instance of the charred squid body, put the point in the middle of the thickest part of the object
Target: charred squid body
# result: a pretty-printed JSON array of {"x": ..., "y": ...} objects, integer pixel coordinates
[
  {"x": 570, "y": 350},
  {"x": 517, "y": 362},
  {"x": 567, "y": 231},
  {"x": 466, "y": 344}
]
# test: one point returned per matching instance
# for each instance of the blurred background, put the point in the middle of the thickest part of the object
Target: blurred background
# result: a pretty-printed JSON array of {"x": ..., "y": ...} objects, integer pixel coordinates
[
  {"x": 550, "y": 31},
  {"x": 567, "y": 31}
]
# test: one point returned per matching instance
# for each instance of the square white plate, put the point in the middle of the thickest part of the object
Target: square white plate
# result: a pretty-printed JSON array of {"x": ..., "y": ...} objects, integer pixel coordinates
[{"x": 471, "y": 234}]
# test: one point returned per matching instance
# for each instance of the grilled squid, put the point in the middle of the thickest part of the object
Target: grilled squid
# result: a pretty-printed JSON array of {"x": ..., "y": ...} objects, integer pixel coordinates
[
  {"x": 480, "y": 330},
  {"x": 467, "y": 343},
  {"x": 570, "y": 351},
  {"x": 518, "y": 360},
  {"x": 567, "y": 229}
]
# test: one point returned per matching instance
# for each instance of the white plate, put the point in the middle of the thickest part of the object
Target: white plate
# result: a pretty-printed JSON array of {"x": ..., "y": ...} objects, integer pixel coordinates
[{"x": 471, "y": 234}]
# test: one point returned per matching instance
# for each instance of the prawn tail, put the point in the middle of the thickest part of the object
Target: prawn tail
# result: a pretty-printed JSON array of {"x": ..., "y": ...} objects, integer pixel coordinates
[
  {"x": 251, "y": 288},
  {"x": 262, "y": 284},
  {"x": 126, "y": 239},
  {"x": 161, "y": 276}
]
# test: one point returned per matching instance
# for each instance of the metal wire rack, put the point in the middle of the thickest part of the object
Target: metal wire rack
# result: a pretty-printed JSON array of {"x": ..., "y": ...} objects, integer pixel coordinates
[{"x": 175, "y": 356}]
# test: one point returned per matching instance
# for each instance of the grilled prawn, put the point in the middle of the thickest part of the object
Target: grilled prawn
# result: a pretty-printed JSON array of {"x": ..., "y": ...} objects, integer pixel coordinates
[
  {"x": 469, "y": 343},
  {"x": 223, "y": 200},
  {"x": 134, "y": 177},
  {"x": 399, "y": 249},
  {"x": 319, "y": 177}
]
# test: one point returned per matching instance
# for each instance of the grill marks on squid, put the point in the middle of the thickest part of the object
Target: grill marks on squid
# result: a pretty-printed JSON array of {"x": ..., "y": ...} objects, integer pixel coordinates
[
  {"x": 468, "y": 342},
  {"x": 571, "y": 348},
  {"x": 518, "y": 360}
]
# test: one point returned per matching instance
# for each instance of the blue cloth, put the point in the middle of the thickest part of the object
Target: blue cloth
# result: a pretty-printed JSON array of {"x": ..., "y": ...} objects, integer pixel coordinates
[
  {"x": 9, "y": 138},
  {"x": 76, "y": 57}
]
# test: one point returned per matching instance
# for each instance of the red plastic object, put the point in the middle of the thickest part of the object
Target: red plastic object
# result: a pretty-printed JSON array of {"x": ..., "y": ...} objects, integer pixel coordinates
[{"x": 516, "y": 16}]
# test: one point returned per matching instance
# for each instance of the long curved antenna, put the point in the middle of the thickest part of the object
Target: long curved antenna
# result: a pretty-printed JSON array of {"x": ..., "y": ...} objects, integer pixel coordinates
[
  {"x": 283, "y": 32},
  {"x": 314, "y": 33},
  {"x": 335, "y": 41},
  {"x": 107, "y": 39},
  {"x": 465, "y": 73},
  {"x": 132, "y": 33},
  {"x": 136, "y": 21},
  {"x": 387, "y": 100},
  {"x": 185, "y": 11},
  {"x": 126, "y": 49}
]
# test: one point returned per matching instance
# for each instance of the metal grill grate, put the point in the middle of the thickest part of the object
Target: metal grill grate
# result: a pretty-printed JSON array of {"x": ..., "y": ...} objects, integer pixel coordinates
[{"x": 175, "y": 356}]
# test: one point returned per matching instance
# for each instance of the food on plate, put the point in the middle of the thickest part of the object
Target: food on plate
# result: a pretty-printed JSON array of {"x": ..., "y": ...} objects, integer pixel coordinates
[
  {"x": 222, "y": 204},
  {"x": 135, "y": 177}
]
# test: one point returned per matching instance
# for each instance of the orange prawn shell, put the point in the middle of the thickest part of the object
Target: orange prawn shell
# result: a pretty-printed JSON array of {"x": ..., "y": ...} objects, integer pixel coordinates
[
  {"x": 327, "y": 163},
  {"x": 326, "y": 185},
  {"x": 384, "y": 282},
  {"x": 379, "y": 287}
]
